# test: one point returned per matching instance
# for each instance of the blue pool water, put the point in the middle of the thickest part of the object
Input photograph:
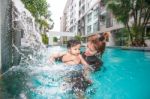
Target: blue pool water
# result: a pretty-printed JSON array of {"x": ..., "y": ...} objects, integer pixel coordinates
[{"x": 124, "y": 75}]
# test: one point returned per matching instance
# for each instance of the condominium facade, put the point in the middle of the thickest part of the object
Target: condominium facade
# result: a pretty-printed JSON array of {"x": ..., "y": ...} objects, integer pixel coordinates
[{"x": 88, "y": 17}]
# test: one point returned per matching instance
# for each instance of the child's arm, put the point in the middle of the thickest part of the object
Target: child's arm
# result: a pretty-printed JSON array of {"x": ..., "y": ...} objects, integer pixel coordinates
[
  {"x": 57, "y": 55},
  {"x": 85, "y": 63},
  {"x": 87, "y": 70}
]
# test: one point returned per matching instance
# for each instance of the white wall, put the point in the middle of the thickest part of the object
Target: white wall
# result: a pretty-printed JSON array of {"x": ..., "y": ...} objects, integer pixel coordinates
[{"x": 147, "y": 42}]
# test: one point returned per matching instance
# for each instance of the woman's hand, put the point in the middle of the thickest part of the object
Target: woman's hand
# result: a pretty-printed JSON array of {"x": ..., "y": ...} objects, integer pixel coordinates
[{"x": 88, "y": 67}]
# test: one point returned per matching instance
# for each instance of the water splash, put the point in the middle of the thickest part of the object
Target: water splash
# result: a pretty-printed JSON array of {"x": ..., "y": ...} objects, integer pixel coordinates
[
  {"x": 23, "y": 20},
  {"x": 35, "y": 76}
]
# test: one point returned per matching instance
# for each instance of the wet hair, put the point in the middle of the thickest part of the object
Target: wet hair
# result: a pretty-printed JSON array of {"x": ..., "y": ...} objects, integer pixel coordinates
[
  {"x": 102, "y": 38},
  {"x": 98, "y": 43},
  {"x": 72, "y": 43}
]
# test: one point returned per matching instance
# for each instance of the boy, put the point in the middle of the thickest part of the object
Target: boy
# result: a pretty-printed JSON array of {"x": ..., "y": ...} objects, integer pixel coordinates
[
  {"x": 72, "y": 57},
  {"x": 80, "y": 80}
]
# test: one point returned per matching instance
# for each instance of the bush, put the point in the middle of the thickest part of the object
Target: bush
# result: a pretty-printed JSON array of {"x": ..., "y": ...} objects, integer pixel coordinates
[
  {"x": 55, "y": 39},
  {"x": 64, "y": 42},
  {"x": 79, "y": 38},
  {"x": 44, "y": 38}
]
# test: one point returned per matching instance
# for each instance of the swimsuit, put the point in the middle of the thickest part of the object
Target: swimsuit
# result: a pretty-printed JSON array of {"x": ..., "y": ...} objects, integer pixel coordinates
[
  {"x": 93, "y": 61},
  {"x": 59, "y": 59}
]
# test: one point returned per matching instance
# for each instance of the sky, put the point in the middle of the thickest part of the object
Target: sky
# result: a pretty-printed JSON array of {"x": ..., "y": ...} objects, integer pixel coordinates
[{"x": 56, "y": 8}]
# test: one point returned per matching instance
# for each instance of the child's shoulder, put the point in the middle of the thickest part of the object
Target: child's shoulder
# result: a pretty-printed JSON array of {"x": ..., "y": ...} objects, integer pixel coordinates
[{"x": 80, "y": 56}]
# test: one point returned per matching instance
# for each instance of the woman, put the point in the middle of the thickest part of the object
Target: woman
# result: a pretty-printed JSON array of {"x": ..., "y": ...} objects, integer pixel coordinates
[
  {"x": 92, "y": 55},
  {"x": 94, "y": 50}
]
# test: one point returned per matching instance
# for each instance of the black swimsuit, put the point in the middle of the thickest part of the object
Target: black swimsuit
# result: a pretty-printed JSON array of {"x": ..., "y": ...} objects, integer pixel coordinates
[
  {"x": 93, "y": 61},
  {"x": 59, "y": 59}
]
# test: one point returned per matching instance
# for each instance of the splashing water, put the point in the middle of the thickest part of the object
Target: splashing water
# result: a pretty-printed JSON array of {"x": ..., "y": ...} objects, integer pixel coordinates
[
  {"x": 124, "y": 77},
  {"x": 23, "y": 20},
  {"x": 35, "y": 76}
]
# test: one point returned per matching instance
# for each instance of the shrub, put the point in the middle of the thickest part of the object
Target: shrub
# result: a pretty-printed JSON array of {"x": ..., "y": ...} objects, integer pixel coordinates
[{"x": 44, "y": 38}]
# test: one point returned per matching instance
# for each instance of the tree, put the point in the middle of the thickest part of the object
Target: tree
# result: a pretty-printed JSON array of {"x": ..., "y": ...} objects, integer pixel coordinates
[
  {"x": 37, "y": 7},
  {"x": 137, "y": 10},
  {"x": 44, "y": 38},
  {"x": 121, "y": 37},
  {"x": 55, "y": 39},
  {"x": 78, "y": 37},
  {"x": 39, "y": 10}
]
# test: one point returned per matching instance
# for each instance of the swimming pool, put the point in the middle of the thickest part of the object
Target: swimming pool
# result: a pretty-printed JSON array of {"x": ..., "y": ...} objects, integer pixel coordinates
[{"x": 124, "y": 75}]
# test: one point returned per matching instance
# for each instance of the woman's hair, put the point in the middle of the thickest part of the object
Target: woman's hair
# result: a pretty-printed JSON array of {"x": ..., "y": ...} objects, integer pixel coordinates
[
  {"x": 72, "y": 43},
  {"x": 98, "y": 43}
]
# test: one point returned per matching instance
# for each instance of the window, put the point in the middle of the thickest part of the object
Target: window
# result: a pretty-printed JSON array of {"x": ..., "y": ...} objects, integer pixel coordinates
[
  {"x": 102, "y": 20},
  {"x": 109, "y": 22},
  {"x": 89, "y": 17},
  {"x": 83, "y": 9},
  {"x": 95, "y": 27},
  {"x": 79, "y": 3},
  {"x": 96, "y": 13},
  {"x": 89, "y": 28}
]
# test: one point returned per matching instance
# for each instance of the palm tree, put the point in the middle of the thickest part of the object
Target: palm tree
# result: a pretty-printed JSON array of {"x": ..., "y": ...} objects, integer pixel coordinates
[
  {"x": 138, "y": 10},
  {"x": 121, "y": 13}
]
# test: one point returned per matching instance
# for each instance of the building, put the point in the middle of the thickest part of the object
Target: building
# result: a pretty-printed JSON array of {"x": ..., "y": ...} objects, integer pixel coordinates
[{"x": 88, "y": 17}]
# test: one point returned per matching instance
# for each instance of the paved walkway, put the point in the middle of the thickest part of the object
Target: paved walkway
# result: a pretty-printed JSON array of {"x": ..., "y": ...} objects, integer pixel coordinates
[{"x": 131, "y": 48}]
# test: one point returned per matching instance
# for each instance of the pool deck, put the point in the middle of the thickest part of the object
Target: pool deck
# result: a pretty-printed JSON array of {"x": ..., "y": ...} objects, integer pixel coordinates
[
  {"x": 127, "y": 48},
  {"x": 131, "y": 48}
]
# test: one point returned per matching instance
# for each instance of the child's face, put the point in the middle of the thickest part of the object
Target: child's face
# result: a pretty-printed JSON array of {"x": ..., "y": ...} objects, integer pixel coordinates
[{"x": 75, "y": 50}]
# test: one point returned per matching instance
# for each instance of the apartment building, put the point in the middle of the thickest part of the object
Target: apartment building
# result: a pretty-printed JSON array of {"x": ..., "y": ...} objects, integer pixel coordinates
[{"x": 88, "y": 17}]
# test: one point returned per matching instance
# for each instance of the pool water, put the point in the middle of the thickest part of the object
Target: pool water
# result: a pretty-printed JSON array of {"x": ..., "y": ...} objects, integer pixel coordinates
[{"x": 124, "y": 75}]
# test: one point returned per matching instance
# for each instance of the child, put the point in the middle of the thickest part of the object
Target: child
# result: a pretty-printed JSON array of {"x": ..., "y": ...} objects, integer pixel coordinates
[{"x": 73, "y": 57}]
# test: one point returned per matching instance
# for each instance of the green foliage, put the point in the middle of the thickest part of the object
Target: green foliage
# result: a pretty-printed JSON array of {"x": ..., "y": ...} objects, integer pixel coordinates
[
  {"x": 121, "y": 37},
  {"x": 44, "y": 38},
  {"x": 78, "y": 37},
  {"x": 43, "y": 23},
  {"x": 39, "y": 9},
  {"x": 36, "y": 7},
  {"x": 120, "y": 9},
  {"x": 64, "y": 42},
  {"x": 138, "y": 10},
  {"x": 55, "y": 39}
]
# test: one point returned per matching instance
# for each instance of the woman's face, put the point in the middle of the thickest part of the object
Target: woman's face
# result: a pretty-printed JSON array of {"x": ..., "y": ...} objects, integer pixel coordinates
[{"x": 90, "y": 49}]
